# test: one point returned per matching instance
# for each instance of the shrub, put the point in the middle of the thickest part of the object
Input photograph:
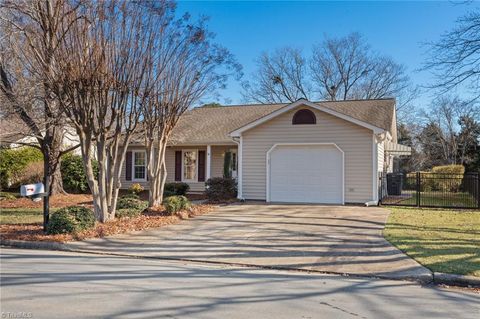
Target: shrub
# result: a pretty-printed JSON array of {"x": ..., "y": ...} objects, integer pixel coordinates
[
  {"x": 174, "y": 204},
  {"x": 168, "y": 194},
  {"x": 131, "y": 203},
  {"x": 219, "y": 188},
  {"x": 453, "y": 177},
  {"x": 128, "y": 212},
  {"x": 70, "y": 220},
  {"x": 131, "y": 195},
  {"x": 177, "y": 188},
  {"x": 73, "y": 173},
  {"x": 136, "y": 189},
  {"x": 13, "y": 161},
  {"x": 30, "y": 174}
]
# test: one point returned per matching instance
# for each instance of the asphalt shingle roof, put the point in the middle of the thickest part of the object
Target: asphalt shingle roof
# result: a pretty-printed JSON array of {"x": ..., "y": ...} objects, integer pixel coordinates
[{"x": 211, "y": 125}]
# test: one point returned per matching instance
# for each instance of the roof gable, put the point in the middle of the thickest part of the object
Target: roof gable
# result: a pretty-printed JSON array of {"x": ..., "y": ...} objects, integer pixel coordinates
[{"x": 303, "y": 102}]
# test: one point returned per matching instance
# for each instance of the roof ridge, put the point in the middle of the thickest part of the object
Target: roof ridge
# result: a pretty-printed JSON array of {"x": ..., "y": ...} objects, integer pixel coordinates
[{"x": 286, "y": 103}]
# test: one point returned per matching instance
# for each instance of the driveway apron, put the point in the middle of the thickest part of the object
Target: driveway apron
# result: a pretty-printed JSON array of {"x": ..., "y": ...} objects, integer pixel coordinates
[{"x": 337, "y": 239}]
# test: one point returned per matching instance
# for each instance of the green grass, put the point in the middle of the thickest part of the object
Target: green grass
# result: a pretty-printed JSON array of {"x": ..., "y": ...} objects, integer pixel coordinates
[
  {"x": 21, "y": 215},
  {"x": 441, "y": 199},
  {"x": 443, "y": 240}
]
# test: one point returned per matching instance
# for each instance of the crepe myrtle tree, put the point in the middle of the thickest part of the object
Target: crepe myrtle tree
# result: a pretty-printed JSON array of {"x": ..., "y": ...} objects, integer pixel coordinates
[
  {"x": 186, "y": 67},
  {"x": 30, "y": 31},
  {"x": 101, "y": 80}
]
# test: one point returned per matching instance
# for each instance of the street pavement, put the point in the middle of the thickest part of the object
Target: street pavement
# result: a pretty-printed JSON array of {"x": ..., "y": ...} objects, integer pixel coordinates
[{"x": 48, "y": 284}]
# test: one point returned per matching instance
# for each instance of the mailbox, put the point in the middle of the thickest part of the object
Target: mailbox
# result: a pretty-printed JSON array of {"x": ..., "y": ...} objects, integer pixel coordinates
[{"x": 34, "y": 191}]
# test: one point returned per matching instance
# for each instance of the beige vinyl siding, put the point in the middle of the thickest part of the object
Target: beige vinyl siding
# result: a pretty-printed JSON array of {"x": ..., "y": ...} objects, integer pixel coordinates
[
  {"x": 216, "y": 166},
  {"x": 355, "y": 141}
]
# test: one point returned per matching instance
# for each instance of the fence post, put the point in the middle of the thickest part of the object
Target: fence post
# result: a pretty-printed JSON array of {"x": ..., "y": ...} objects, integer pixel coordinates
[
  {"x": 418, "y": 188},
  {"x": 478, "y": 190}
]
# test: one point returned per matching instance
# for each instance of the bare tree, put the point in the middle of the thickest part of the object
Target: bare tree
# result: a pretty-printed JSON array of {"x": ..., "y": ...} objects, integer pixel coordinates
[
  {"x": 281, "y": 76},
  {"x": 186, "y": 66},
  {"x": 455, "y": 58},
  {"x": 339, "y": 69},
  {"x": 100, "y": 75},
  {"x": 444, "y": 122},
  {"x": 29, "y": 33},
  {"x": 338, "y": 65}
]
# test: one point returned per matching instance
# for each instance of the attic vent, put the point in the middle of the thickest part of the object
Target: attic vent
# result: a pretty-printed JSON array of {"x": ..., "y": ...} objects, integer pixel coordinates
[{"x": 304, "y": 116}]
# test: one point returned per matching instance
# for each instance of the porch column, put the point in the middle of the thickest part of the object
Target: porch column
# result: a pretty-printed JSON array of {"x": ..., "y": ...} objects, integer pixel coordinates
[{"x": 209, "y": 161}]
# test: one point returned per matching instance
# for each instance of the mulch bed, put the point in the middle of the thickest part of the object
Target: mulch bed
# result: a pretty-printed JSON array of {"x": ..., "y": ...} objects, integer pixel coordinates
[
  {"x": 56, "y": 201},
  {"x": 150, "y": 219}
]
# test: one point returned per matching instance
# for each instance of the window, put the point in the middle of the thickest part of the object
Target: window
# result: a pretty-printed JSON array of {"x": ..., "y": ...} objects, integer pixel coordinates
[
  {"x": 304, "y": 116},
  {"x": 189, "y": 165},
  {"x": 139, "y": 165}
]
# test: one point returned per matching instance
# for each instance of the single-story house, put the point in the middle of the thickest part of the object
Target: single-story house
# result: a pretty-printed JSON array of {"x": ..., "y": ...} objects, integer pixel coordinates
[{"x": 303, "y": 152}]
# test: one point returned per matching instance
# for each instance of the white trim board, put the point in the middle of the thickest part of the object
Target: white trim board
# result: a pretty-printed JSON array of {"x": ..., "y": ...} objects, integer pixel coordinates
[
  {"x": 303, "y": 144},
  {"x": 238, "y": 132}
]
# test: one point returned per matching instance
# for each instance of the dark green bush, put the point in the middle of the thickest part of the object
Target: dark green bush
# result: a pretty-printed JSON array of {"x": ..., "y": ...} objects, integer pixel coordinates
[
  {"x": 174, "y": 204},
  {"x": 131, "y": 195},
  {"x": 128, "y": 212},
  {"x": 177, "y": 188},
  {"x": 168, "y": 194},
  {"x": 131, "y": 203},
  {"x": 70, "y": 220},
  {"x": 219, "y": 188},
  {"x": 73, "y": 173},
  {"x": 13, "y": 161}
]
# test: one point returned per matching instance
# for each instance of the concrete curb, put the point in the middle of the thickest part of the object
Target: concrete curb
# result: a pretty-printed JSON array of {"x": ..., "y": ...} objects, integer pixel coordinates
[
  {"x": 42, "y": 245},
  {"x": 441, "y": 278},
  {"x": 421, "y": 279}
]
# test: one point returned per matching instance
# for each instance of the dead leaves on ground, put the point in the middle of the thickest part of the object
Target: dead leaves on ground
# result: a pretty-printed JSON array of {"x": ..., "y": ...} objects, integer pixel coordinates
[{"x": 149, "y": 219}]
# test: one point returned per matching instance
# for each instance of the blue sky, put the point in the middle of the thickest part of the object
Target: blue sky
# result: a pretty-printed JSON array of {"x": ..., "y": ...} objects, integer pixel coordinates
[{"x": 397, "y": 29}]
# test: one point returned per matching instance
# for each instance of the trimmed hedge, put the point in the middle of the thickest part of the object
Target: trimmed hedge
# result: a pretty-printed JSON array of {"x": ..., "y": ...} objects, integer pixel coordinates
[
  {"x": 73, "y": 174},
  {"x": 176, "y": 188},
  {"x": 446, "y": 178},
  {"x": 219, "y": 188},
  {"x": 448, "y": 184},
  {"x": 70, "y": 219},
  {"x": 174, "y": 204}
]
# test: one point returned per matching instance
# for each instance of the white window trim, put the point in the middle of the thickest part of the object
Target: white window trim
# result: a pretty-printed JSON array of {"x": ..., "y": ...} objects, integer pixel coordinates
[
  {"x": 196, "y": 166},
  {"x": 302, "y": 144},
  {"x": 133, "y": 167}
]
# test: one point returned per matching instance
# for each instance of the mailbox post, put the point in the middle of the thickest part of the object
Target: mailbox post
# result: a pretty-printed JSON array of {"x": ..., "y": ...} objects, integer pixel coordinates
[{"x": 36, "y": 192}]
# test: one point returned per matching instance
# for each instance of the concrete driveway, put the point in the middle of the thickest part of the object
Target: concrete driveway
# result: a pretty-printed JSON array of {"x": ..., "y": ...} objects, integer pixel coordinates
[{"x": 339, "y": 239}]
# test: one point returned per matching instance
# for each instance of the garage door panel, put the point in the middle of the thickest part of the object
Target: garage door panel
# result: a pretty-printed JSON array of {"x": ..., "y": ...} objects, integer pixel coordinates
[{"x": 309, "y": 173}]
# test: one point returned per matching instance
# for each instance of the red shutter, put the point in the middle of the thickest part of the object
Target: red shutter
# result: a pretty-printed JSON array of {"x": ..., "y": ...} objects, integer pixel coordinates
[
  {"x": 201, "y": 166},
  {"x": 128, "y": 166},
  {"x": 178, "y": 166}
]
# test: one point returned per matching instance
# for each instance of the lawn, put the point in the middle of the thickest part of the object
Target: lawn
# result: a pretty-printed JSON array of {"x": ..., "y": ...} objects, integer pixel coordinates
[
  {"x": 442, "y": 199},
  {"x": 443, "y": 240},
  {"x": 21, "y": 215}
]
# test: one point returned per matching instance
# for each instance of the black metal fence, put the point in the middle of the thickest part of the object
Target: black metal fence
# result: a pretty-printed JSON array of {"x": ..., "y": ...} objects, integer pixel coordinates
[{"x": 423, "y": 189}]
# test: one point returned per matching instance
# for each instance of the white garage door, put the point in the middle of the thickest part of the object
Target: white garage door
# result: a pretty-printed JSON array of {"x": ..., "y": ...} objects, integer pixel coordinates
[{"x": 306, "y": 174}]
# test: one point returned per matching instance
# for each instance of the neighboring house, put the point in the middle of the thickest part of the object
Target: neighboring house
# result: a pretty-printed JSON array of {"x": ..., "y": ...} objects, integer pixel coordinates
[
  {"x": 14, "y": 133},
  {"x": 302, "y": 152}
]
